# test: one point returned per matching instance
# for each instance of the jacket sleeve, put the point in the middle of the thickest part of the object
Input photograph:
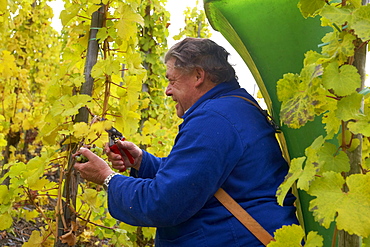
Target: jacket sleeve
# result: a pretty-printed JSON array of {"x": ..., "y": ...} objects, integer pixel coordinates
[
  {"x": 206, "y": 150},
  {"x": 149, "y": 165}
]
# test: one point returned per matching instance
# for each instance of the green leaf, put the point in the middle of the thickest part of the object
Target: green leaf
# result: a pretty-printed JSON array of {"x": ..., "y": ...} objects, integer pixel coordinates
[
  {"x": 314, "y": 240},
  {"x": 349, "y": 107},
  {"x": 93, "y": 8},
  {"x": 313, "y": 57},
  {"x": 303, "y": 97},
  {"x": 344, "y": 80},
  {"x": 361, "y": 22},
  {"x": 360, "y": 125},
  {"x": 336, "y": 15},
  {"x": 339, "y": 46},
  {"x": 332, "y": 123},
  {"x": 355, "y": 3},
  {"x": 309, "y": 8},
  {"x": 67, "y": 14},
  {"x": 298, "y": 110},
  {"x": 294, "y": 173},
  {"x": 328, "y": 192},
  {"x": 310, "y": 170},
  {"x": 17, "y": 169},
  {"x": 4, "y": 195},
  {"x": 366, "y": 242},
  {"x": 353, "y": 211},
  {"x": 291, "y": 236},
  {"x": 351, "y": 208},
  {"x": 332, "y": 159},
  {"x": 102, "y": 34}
]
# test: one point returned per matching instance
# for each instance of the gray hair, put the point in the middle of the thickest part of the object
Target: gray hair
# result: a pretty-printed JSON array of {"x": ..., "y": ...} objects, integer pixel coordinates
[{"x": 193, "y": 53}]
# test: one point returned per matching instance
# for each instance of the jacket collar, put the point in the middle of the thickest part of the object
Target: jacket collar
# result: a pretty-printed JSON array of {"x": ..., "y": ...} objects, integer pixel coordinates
[{"x": 216, "y": 92}]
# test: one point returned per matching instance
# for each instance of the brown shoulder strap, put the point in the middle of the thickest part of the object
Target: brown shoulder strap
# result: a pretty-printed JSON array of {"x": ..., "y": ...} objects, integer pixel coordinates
[{"x": 244, "y": 217}]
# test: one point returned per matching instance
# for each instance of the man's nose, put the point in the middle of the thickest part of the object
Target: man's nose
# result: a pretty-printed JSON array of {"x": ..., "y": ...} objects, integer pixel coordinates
[{"x": 169, "y": 90}]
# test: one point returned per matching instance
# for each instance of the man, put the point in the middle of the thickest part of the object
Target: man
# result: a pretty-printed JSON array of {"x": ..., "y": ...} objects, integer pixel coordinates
[{"x": 224, "y": 141}]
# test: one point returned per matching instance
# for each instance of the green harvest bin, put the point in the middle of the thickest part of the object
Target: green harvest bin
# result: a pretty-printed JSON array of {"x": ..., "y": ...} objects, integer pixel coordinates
[{"x": 272, "y": 36}]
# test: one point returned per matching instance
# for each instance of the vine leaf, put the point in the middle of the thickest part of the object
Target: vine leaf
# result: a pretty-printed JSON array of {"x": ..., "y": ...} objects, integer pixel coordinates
[
  {"x": 309, "y": 8},
  {"x": 294, "y": 173},
  {"x": 361, "y": 22},
  {"x": 6, "y": 221},
  {"x": 81, "y": 129},
  {"x": 350, "y": 208},
  {"x": 348, "y": 108},
  {"x": 4, "y": 194},
  {"x": 336, "y": 15},
  {"x": 331, "y": 123},
  {"x": 69, "y": 105},
  {"x": 286, "y": 86},
  {"x": 127, "y": 23},
  {"x": 313, "y": 165},
  {"x": 328, "y": 192},
  {"x": 297, "y": 172},
  {"x": 8, "y": 66},
  {"x": 332, "y": 159},
  {"x": 293, "y": 235},
  {"x": 301, "y": 95},
  {"x": 343, "y": 80},
  {"x": 361, "y": 125},
  {"x": 340, "y": 46},
  {"x": 366, "y": 242},
  {"x": 35, "y": 169},
  {"x": 67, "y": 14},
  {"x": 353, "y": 213},
  {"x": 355, "y": 3}
]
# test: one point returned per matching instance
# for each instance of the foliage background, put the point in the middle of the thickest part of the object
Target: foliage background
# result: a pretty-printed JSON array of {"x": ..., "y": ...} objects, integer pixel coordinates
[{"x": 105, "y": 63}]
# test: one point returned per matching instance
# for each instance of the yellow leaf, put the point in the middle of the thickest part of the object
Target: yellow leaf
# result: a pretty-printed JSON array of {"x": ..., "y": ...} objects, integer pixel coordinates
[
  {"x": 7, "y": 64},
  {"x": 4, "y": 194},
  {"x": 3, "y": 4},
  {"x": 81, "y": 129},
  {"x": 30, "y": 215},
  {"x": 39, "y": 184},
  {"x": 92, "y": 9},
  {"x": 6, "y": 221},
  {"x": 127, "y": 23},
  {"x": 35, "y": 169},
  {"x": 3, "y": 142}
]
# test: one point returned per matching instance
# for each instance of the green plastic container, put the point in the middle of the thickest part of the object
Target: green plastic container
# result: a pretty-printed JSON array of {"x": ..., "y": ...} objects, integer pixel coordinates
[{"x": 272, "y": 36}]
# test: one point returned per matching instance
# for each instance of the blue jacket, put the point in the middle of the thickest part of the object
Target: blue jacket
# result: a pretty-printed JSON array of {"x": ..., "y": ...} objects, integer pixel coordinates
[{"x": 223, "y": 142}]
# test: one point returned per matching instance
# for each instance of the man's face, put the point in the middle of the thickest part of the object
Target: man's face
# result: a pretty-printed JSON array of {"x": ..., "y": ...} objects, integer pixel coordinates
[{"x": 181, "y": 87}]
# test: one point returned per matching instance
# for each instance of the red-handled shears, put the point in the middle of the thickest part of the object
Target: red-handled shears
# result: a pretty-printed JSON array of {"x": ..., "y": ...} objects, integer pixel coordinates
[{"x": 114, "y": 136}]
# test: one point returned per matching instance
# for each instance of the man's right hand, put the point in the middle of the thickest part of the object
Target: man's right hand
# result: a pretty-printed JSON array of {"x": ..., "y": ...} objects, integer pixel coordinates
[{"x": 121, "y": 162}]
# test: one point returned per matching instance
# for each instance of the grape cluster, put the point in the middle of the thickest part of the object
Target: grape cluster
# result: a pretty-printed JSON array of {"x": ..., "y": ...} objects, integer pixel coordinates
[{"x": 96, "y": 150}]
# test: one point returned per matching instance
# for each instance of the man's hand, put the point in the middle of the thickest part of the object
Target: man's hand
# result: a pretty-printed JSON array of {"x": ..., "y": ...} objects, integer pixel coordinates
[
  {"x": 121, "y": 162},
  {"x": 95, "y": 170}
]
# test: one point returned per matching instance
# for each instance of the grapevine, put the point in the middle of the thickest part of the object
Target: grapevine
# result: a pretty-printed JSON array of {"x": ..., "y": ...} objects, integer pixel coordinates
[
  {"x": 83, "y": 159},
  {"x": 47, "y": 113},
  {"x": 335, "y": 168}
]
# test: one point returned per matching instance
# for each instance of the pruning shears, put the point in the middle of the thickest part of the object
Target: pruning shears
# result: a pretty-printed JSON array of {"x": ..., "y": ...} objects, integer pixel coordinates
[{"x": 114, "y": 137}]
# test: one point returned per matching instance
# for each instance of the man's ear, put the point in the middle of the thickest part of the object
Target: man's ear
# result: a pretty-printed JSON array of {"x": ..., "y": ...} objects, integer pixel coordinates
[{"x": 200, "y": 75}]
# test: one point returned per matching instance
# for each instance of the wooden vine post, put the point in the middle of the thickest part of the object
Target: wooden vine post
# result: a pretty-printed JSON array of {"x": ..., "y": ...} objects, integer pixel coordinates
[{"x": 67, "y": 220}]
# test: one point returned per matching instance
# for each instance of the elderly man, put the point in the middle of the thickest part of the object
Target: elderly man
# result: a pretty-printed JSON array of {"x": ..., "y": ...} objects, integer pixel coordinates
[{"x": 224, "y": 141}]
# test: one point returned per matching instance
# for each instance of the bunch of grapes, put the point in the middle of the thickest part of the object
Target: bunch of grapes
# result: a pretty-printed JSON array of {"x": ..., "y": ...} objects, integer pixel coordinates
[{"x": 96, "y": 150}]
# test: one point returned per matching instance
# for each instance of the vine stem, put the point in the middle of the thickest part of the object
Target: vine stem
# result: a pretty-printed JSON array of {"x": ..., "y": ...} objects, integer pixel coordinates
[{"x": 96, "y": 224}]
